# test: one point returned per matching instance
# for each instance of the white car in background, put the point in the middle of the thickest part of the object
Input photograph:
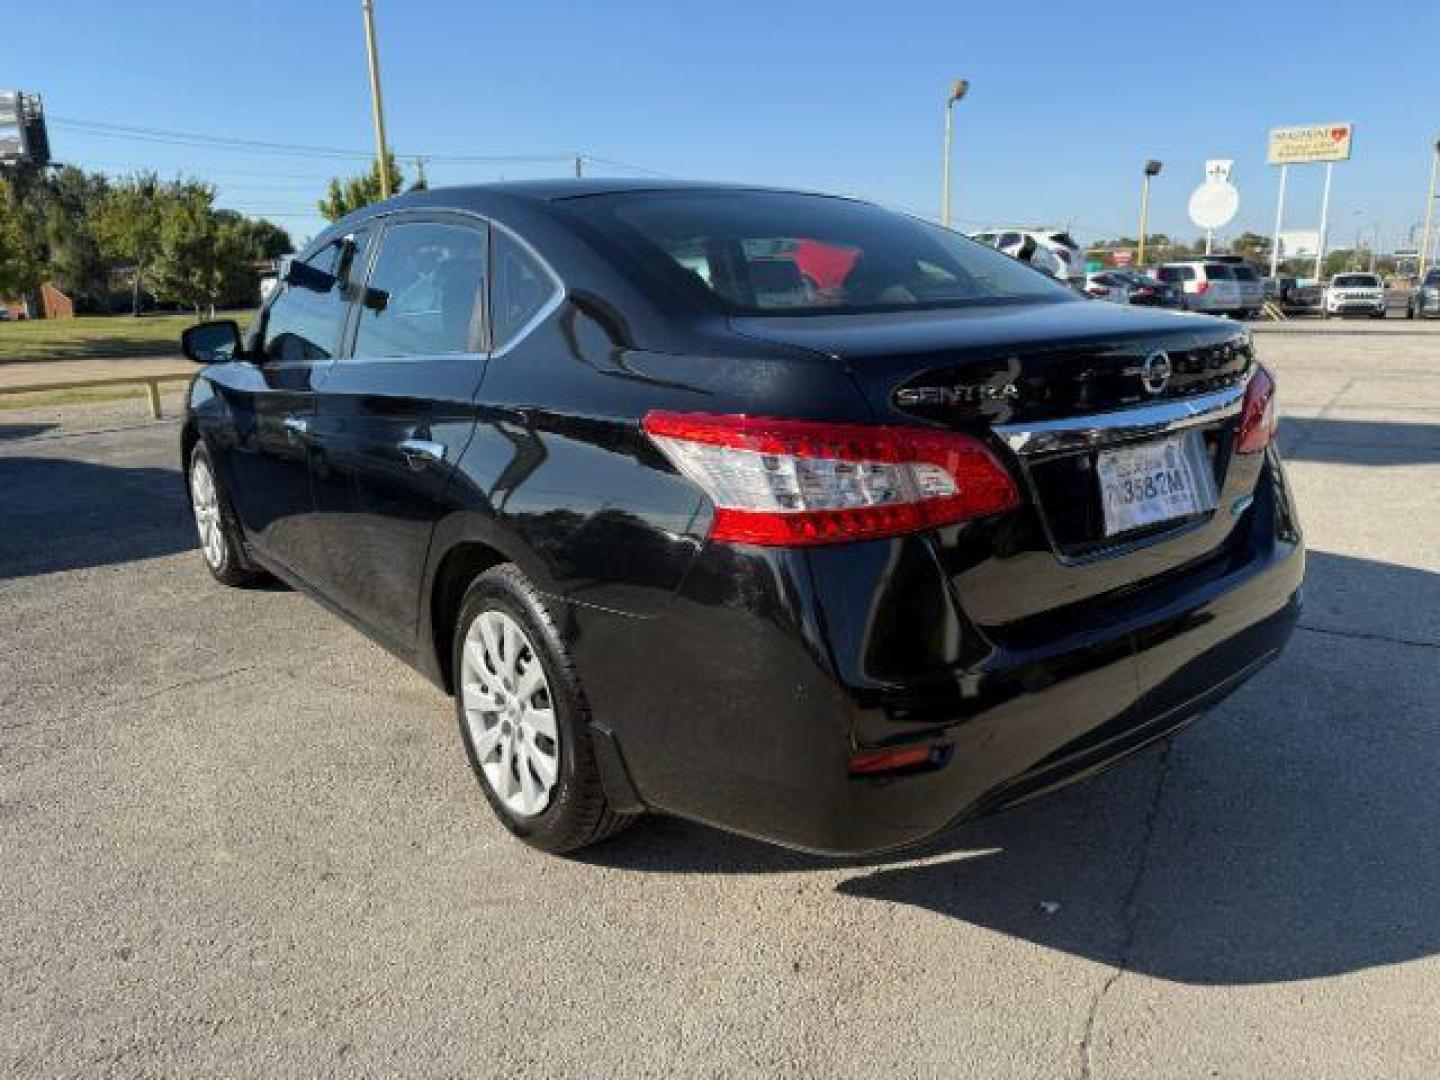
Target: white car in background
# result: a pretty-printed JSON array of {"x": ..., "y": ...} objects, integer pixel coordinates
[
  {"x": 1206, "y": 285},
  {"x": 1050, "y": 250},
  {"x": 1355, "y": 294}
]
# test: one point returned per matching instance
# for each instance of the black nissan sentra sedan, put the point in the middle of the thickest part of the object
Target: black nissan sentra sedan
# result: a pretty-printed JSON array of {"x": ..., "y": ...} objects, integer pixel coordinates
[{"x": 777, "y": 511}]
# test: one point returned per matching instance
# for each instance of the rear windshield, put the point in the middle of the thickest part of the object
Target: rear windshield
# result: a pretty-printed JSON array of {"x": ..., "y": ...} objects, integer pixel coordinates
[
  {"x": 784, "y": 253},
  {"x": 1219, "y": 272},
  {"x": 1244, "y": 273},
  {"x": 1063, "y": 239},
  {"x": 1356, "y": 281}
]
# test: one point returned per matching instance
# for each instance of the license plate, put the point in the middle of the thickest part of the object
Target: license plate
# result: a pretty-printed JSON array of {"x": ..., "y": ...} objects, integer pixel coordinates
[{"x": 1150, "y": 482}]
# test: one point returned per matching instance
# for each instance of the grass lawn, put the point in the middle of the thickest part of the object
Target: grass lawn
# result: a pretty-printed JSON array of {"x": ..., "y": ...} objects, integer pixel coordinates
[{"x": 98, "y": 335}]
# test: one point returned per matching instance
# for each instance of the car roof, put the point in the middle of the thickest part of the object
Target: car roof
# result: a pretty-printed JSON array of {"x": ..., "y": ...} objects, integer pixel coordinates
[
  {"x": 493, "y": 200},
  {"x": 557, "y": 189}
]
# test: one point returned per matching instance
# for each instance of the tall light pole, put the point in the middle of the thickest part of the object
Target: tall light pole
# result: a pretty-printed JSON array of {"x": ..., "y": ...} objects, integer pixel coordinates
[
  {"x": 957, "y": 91},
  {"x": 1152, "y": 169},
  {"x": 1429, "y": 210},
  {"x": 376, "y": 104}
]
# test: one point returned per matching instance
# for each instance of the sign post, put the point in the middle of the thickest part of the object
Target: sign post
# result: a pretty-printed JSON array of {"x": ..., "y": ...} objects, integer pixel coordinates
[
  {"x": 1279, "y": 223},
  {"x": 1310, "y": 144},
  {"x": 1324, "y": 221}
]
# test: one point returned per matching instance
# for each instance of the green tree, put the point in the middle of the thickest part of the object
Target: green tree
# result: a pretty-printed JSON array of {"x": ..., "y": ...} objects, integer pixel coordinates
[
  {"x": 185, "y": 263},
  {"x": 70, "y": 200},
  {"x": 347, "y": 195},
  {"x": 21, "y": 266},
  {"x": 128, "y": 227}
]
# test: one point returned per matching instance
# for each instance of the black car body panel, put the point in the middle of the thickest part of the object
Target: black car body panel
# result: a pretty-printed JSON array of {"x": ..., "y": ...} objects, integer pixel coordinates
[{"x": 734, "y": 683}]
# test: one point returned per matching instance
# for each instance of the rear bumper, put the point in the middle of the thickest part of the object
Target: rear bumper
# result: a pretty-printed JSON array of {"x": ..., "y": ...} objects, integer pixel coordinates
[{"x": 749, "y": 707}]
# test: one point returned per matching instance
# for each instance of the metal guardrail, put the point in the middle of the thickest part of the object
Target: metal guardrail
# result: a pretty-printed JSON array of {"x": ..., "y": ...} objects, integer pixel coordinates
[{"x": 150, "y": 382}]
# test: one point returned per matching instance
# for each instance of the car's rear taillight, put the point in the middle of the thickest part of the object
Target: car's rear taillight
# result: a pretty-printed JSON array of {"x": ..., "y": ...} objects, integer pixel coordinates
[
  {"x": 1257, "y": 414},
  {"x": 793, "y": 482},
  {"x": 1202, "y": 288}
]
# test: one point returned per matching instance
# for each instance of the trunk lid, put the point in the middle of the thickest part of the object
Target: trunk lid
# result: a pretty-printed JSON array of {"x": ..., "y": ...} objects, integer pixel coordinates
[{"x": 1053, "y": 386}]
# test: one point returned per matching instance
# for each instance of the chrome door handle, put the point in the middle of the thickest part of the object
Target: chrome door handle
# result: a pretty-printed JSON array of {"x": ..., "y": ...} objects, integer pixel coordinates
[
  {"x": 297, "y": 426},
  {"x": 419, "y": 452}
]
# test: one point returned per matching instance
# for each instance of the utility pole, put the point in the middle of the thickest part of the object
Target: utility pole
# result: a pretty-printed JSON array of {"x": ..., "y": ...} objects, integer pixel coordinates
[
  {"x": 957, "y": 91},
  {"x": 579, "y": 166},
  {"x": 376, "y": 104},
  {"x": 1429, "y": 211},
  {"x": 420, "y": 180}
]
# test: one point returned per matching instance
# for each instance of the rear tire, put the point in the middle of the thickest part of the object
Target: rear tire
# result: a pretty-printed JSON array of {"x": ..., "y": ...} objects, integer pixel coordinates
[
  {"x": 523, "y": 717},
  {"x": 222, "y": 544}
]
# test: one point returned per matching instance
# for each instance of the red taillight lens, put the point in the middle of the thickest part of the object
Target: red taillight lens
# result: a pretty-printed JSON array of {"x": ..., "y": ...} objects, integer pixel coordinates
[
  {"x": 794, "y": 482},
  {"x": 880, "y": 761},
  {"x": 1202, "y": 288},
  {"x": 1257, "y": 414}
]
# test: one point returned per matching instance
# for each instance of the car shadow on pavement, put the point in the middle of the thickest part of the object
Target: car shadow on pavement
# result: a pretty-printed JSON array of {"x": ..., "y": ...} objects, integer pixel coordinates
[
  {"x": 60, "y": 514},
  {"x": 1359, "y": 442},
  {"x": 1291, "y": 834},
  {"x": 23, "y": 431}
]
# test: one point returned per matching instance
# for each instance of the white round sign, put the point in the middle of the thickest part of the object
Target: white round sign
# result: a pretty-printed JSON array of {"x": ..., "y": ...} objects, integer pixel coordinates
[{"x": 1214, "y": 204}]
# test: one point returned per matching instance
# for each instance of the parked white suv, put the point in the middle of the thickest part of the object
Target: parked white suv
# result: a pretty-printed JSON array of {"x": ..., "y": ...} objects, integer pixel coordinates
[
  {"x": 1205, "y": 285},
  {"x": 1051, "y": 250},
  {"x": 1355, "y": 294}
]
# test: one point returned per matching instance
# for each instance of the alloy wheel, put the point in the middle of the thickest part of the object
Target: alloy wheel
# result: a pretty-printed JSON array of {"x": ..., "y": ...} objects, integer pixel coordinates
[
  {"x": 206, "y": 503},
  {"x": 510, "y": 713}
]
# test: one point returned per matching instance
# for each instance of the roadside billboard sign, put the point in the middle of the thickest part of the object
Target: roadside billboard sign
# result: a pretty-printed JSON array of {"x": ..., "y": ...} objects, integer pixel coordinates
[
  {"x": 1299, "y": 243},
  {"x": 1310, "y": 144},
  {"x": 1122, "y": 256},
  {"x": 12, "y": 129}
]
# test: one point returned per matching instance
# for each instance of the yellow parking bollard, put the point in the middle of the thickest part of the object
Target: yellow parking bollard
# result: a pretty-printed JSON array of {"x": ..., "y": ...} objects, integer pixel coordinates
[{"x": 152, "y": 391}]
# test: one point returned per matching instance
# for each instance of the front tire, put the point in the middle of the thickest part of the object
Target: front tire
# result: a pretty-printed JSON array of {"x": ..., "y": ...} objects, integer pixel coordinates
[
  {"x": 220, "y": 540},
  {"x": 523, "y": 717}
]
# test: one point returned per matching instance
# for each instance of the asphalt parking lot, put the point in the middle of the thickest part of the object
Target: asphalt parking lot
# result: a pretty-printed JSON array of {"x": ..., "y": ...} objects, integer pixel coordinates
[{"x": 238, "y": 839}]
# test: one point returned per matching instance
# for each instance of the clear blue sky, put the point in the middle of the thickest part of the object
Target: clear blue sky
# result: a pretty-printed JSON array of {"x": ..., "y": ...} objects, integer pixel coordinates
[{"x": 1067, "y": 99}]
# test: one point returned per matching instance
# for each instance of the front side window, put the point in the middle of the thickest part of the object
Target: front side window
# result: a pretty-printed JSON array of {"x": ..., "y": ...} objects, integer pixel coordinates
[
  {"x": 424, "y": 296},
  {"x": 304, "y": 322},
  {"x": 520, "y": 289},
  {"x": 783, "y": 253}
]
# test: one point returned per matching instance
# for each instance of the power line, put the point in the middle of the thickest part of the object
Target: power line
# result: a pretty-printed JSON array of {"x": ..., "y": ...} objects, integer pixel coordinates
[{"x": 226, "y": 142}]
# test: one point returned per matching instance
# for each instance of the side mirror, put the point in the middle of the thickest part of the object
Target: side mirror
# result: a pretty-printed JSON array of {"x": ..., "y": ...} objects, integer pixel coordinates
[{"x": 211, "y": 342}]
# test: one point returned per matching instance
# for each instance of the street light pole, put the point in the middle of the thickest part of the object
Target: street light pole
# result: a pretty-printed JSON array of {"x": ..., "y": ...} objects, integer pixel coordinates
[
  {"x": 1429, "y": 210},
  {"x": 376, "y": 105},
  {"x": 1152, "y": 169},
  {"x": 957, "y": 91}
]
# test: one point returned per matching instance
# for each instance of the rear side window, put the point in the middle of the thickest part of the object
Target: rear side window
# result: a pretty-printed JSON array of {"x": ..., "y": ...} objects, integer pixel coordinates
[
  {"x": 424, "y": 296},
  {"x": 783, "y": 253},
  {"x": 304, "y": 322},
  {"x": 1219, "y": 272},
  {"x": 1177, "y": 273},
  {"x": 520, "y": 290}
]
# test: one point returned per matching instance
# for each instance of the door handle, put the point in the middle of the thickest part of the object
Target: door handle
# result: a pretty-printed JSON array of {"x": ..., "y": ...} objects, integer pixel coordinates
[
  {"x": 297, "y": 427},
  {"x": 419, "y": 452}
]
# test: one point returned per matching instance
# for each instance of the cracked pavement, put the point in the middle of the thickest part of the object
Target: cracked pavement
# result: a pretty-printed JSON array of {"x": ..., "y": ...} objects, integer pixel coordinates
[{"x": 237, "y": 839}]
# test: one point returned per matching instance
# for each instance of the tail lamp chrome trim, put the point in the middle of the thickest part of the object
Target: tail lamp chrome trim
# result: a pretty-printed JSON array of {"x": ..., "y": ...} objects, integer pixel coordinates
[{"x": 1078, "y": 433}]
